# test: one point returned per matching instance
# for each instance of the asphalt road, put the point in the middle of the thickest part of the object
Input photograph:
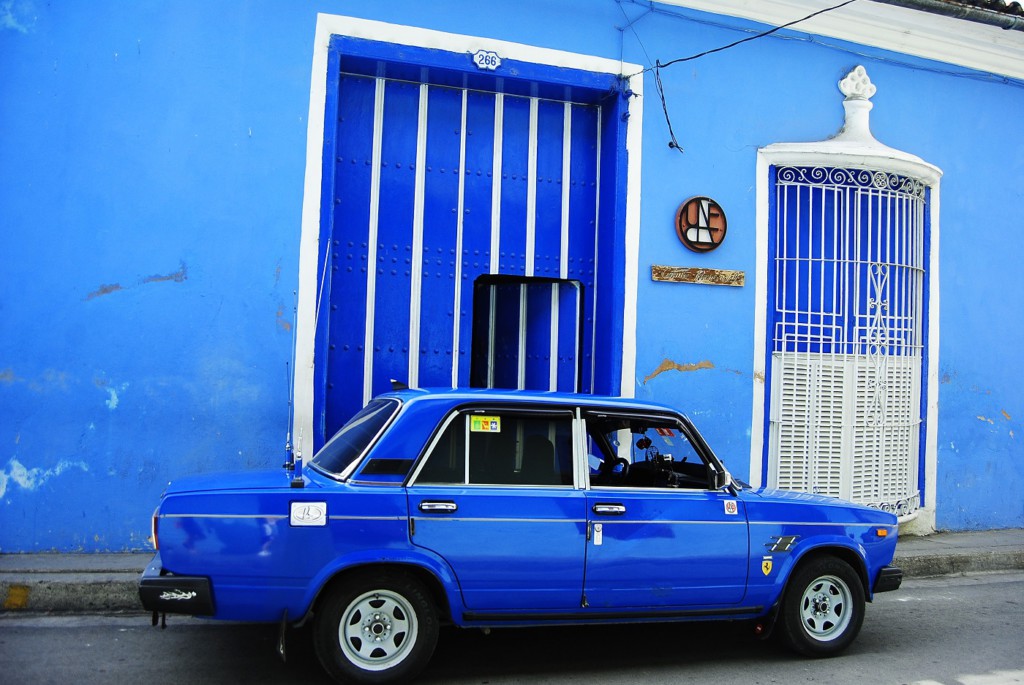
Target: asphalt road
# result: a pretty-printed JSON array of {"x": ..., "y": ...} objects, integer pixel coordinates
[{"x": 957, "y": 629}]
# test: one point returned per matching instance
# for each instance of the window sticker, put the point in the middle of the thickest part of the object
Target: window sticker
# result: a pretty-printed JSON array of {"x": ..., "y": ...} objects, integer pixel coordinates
[
  {"x": 665, "y": 432},
  {"x": 485, "y": 424}
]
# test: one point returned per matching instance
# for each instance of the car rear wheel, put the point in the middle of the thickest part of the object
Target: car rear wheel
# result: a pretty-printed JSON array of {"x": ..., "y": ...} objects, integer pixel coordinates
[
  {"x": 823, "y": 608},
  {"x": 376, "y": 628}
]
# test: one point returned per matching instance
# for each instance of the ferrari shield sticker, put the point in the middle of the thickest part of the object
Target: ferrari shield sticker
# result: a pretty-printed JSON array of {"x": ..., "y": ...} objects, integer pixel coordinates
[
  {"x": 730, "y": 507},
  {"x": 766, "y": 565},
  {"x": 485, "y": 424}
]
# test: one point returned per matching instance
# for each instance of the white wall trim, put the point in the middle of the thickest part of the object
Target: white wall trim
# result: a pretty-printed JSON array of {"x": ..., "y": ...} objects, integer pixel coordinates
[
  {"x": 835, "y": 154},
  {"x": 633, "y": 146},
  {"x": 912, "y": 32},
  {"x": 328, "y": 25}
]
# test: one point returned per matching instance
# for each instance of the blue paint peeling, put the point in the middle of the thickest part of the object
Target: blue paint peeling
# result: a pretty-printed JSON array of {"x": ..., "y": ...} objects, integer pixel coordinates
[
  {"x": 16, "y": 15},
  {"x": 15, "y": 476}
]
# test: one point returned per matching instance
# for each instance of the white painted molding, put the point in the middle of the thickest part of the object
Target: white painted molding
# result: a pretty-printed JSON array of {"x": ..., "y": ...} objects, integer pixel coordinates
[
  {"x": 328, "y": 25},
  {"x": 853, "y": 147},
  {"x": 912, "y": 32}
]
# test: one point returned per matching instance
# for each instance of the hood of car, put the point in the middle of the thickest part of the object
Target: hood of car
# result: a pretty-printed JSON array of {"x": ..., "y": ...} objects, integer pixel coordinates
[
  {"x": 233, "y": 480},
  {"x": 788, "y": 498}
]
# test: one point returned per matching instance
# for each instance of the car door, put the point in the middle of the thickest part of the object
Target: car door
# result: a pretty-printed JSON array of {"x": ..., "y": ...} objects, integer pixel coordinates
[
  {"x": 659, "y": 535},
  {"x": 495, "y": 498}
]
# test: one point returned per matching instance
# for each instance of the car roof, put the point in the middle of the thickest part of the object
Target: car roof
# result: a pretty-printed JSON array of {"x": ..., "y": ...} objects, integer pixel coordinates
[{"x": 456, "y": 396}]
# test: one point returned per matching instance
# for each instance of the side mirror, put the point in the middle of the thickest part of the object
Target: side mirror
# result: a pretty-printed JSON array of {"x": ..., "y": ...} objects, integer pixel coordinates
[{"x": 722, "y": 479}]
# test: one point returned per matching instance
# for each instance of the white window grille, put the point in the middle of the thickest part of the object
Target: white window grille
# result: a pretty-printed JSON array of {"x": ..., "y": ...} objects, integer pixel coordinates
[
  {"x": 847, "y": 342},
  {"x": 845, "y": 362}
]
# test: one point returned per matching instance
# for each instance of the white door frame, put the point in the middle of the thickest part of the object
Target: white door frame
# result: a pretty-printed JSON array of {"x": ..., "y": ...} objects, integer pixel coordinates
[{"x": 328, "y": 25}]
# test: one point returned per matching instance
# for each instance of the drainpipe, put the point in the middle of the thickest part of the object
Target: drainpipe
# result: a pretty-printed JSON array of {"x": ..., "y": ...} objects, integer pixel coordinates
[{"x": 958, "y": 11}]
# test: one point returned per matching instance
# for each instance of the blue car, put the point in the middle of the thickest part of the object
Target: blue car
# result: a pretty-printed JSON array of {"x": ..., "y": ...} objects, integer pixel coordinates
[{"x": 486, "y": 508}]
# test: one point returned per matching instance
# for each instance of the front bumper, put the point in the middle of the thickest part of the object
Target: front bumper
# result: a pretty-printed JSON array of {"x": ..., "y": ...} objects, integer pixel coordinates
[
  {"x": 167, "y": 593},
  {"x": 889, "y": 578}
]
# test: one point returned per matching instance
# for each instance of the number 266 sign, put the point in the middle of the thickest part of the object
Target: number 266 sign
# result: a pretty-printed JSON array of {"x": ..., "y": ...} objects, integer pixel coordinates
[{"x": 486, "y": 59}]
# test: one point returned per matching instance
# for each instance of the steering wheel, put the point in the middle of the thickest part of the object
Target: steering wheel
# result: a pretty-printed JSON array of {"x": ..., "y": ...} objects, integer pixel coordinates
[{"x": 620, "y": 461}]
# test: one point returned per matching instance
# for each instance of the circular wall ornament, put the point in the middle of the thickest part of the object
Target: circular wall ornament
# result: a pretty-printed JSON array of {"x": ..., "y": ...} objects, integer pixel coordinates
[{"x": 700, "y": 224}]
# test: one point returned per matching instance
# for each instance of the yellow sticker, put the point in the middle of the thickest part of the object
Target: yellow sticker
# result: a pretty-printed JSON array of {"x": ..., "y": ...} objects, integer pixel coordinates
[
  {"x": 485, "y": 424},
  {"x": 766, "y": 565}
]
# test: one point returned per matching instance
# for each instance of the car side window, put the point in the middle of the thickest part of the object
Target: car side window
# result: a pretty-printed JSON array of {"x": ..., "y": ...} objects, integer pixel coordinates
[
  {"x": 446, "y": 463},
  {"x": 643, "y": 452},
  {"x": 502, "y": 448}
]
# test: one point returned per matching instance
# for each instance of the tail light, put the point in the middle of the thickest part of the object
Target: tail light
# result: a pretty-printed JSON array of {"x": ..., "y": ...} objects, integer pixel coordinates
[{"x": 153, "y": 529}]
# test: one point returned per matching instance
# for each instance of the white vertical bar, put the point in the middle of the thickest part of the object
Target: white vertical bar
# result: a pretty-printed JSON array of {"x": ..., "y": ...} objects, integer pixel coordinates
[
  {"x": 416, "y": 273},
  {"x": 553, "y": 346},
  {"x": 577, "y": 345},
  {"x": 531, "y": 190},
  {"x": 597, "y": 238},
  {"x": 499, "y": 126},
  {"x": 371, "y": 240},
  {"x": 521, "y": 381},
  {"x": 563, "y": 251},
  {"x": 459, "y": 221},
  {"x": 820, "y": 266}
]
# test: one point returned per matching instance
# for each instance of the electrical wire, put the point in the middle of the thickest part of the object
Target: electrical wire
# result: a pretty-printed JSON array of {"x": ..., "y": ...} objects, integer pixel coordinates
[
  {"x": 673, "y": 142},
  {"x": 658, "y": 65}
]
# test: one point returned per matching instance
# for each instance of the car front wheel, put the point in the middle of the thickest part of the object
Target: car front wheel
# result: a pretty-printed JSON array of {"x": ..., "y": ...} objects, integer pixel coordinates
[
  {"x": 376, "y": 628},
  {"x": 823, "y": 608}
]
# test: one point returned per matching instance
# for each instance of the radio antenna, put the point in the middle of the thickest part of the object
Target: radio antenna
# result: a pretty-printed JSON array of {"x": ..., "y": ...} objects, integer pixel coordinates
[{"x": 290, "y": 372}]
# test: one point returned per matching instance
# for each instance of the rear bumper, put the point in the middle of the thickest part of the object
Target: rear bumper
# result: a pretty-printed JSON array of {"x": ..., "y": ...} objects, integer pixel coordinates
[
  {"x": 170, "y": 594},
  {"x": 889, "y": 578}
]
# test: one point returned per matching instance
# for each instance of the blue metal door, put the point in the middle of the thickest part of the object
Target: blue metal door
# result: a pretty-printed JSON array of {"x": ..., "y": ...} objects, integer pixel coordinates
[{"x": 433, "y": 180}]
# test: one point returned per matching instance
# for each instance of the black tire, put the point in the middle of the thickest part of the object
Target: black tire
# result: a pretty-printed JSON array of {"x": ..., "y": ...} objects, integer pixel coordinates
[
  {"x": 823, "y": 607},
  {"x": 375, "y": 628}
]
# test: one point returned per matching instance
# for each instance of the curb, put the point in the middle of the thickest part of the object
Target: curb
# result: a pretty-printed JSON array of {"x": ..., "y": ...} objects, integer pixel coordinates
[
  {"x": 947, "y": 564},
  {"x": 93, "y": 595}
]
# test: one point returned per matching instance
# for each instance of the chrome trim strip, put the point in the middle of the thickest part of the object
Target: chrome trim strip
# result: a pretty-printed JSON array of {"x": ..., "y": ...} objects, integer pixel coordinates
[
  {"x": 470, "y": 519},
  {"x": 224, "y": 516},
  {"x": 367, "y": 518},
  {"x": 279, "y": 517},
  {"x": 821, "y": 523},
  {"x": 608, "y": 521}
]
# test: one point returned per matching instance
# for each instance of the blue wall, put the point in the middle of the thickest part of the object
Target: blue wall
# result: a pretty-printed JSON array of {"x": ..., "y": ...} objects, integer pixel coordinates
[{"x": 151, "y": 175}]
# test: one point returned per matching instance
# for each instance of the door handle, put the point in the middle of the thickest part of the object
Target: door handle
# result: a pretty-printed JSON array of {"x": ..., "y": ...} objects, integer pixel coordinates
[
  {"x": 609, "y": 509},
  {"x": 441, "y": 507}
]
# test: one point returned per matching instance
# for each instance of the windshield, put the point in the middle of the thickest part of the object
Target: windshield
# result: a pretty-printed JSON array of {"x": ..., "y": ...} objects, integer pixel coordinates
[{"x": 349, "y": 443}]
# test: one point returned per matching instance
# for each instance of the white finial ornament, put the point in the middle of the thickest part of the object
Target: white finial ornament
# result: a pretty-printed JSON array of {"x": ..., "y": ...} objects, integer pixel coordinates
[
  {"x": 857, "y": 88},
  {"x": 857, "y": 85}
]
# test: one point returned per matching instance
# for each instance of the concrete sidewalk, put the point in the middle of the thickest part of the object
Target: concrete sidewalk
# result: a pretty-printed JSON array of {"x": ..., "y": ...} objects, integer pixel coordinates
[{"x": 105, "y": 583}]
